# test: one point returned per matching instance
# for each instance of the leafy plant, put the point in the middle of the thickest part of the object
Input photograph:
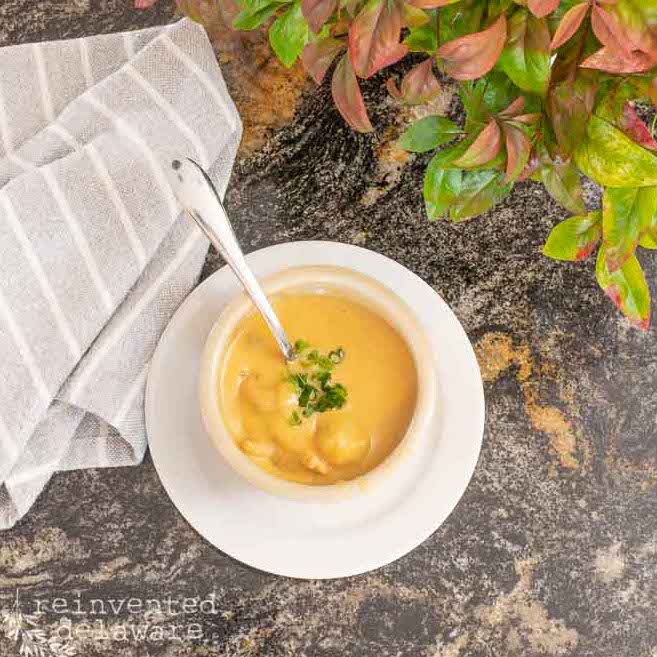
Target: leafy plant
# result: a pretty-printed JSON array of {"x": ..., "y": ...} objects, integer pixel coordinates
[{"x": 549, "y": 88}]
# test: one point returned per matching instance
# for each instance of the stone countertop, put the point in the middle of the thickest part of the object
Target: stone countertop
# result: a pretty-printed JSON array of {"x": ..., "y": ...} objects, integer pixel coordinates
[{"x": 553, "y": 548}]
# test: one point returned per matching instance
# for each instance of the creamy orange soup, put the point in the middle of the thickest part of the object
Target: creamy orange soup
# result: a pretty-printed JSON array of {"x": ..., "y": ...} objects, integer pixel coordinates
[{"x": 261, "y": 406}]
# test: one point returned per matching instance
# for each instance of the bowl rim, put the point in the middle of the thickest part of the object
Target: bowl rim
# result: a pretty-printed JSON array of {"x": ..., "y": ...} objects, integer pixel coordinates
[{"x": 359, "y": 288}]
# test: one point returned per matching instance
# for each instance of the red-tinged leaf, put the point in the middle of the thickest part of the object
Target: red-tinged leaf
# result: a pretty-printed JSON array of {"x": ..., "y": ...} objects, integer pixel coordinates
[
  {"x": 317, "y": 12},
  {"x": 569, "y": 24},
  {"x": 512, "y": 113},
  {"x": 542, "y": 8},
  {"x": 518, "y": 149},
  {"x": 585, "y": 251},
  {"x": 473, "y": 55},
  {"x": 574, "y": 238},
  {"x": 348, "y": 98},
  {"x": 144, "y": 4},
  {"x": 607, "y": 60},
  {"x": 514, "y": 108},
  {"x": 394, "y": 90},
  {"x": 318, "y": 56},
  {"x": 418, "y": 86},
  {"x": 636, "y": 129},
  {"x": 431, "y": 4},
  {"x": 530, "y": 169},
  {"x": 374, "y": 38},
  {"x": 483, "y": 149},
  {"x": 569, "y": 107},
  {"x": 627, "y": 288},
  {"x": 638, "y": 25},
  {"x": 527, "y": 119},
  {"x": 609, "y": 31}
]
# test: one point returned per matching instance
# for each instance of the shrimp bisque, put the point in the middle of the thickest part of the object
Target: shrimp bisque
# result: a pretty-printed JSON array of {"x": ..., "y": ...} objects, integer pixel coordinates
[{"x": 334, "y": 413}]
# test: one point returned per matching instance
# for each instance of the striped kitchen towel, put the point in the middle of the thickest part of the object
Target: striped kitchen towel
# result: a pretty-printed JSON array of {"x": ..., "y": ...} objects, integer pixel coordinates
[{"x": 94, "y": 254}]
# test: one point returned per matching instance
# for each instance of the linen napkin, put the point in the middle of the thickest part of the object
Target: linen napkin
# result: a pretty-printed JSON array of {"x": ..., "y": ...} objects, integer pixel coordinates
[{"x": 94, "y": 253}]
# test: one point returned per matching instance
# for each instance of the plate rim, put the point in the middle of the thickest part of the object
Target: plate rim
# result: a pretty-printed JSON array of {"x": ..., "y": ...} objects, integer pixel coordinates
[{"x": 413, "y": 540}]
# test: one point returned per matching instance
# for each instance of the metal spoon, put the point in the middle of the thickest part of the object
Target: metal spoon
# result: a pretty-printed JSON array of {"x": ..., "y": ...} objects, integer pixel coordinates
[{"x": 197, "y": 194}]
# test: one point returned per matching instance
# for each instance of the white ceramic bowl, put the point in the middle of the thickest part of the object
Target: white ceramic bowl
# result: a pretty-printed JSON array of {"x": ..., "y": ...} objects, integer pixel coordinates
[{"x": 357, "y": 287}]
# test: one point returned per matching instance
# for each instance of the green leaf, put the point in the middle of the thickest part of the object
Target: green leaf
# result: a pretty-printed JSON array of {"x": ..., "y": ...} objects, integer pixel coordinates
[
  {"x": 490, "y": 95},
  {"x": 460, "y": 19},
  {"x": 425, "y": 37},
  {"x": 447, "y": 155},
  {"x": 648, "y": 241},
  {"x": 441, "y": 188},
  {"x": 647, "y": 208},
  {"x": 472, "y": 97},
  {"x": 649, "y": 230},
  {"x": 626, "y": 287},
  {"x": 562, "y": 181},
  {"x": 497, "y": 7},
  {"x": 428, "y": 133},
  {"x": 574, "y": 238},
  {"x": 480, "y": 191},
  {"x": 611, "y": 159},
  {"x": 289, "y": 34},
  {"x": 526, "y": 56},
  {"x": 626, "y": 214},
  {"x": 255, "y": 13},
  {"x": 413, "y": 16}
]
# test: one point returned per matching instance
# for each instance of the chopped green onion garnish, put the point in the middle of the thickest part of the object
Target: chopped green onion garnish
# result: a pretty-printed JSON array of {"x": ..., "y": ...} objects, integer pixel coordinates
[
  {"x": 336, "y": 356},
  {"x": 295, "y": 420},
  {"x": 314, "y": 390},
  {"x": 300, "y": 345}
]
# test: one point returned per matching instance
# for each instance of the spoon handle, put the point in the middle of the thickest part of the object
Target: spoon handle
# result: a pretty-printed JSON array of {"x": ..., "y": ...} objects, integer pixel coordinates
[{"x": 197, "y": 194}]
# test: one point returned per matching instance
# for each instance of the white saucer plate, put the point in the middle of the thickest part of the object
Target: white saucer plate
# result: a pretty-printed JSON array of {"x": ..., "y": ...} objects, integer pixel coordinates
[{"x": 292, "y": 538}]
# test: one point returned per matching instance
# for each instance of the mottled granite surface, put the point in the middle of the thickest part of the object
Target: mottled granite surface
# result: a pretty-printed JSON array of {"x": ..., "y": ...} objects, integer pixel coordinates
[{"x": 552, "y": 550}]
